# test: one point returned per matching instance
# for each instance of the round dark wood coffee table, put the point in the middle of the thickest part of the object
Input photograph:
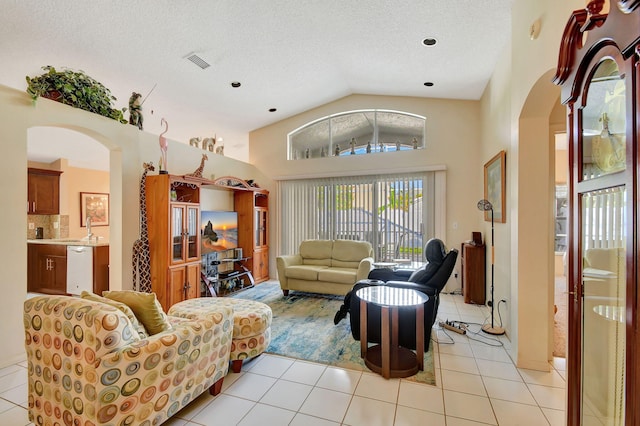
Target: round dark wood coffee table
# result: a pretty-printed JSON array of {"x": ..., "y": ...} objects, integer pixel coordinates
[{"x": 388, "y": 358}]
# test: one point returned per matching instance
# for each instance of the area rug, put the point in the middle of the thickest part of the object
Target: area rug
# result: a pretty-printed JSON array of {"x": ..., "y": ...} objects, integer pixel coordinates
[{"x": 303, "y": 328}]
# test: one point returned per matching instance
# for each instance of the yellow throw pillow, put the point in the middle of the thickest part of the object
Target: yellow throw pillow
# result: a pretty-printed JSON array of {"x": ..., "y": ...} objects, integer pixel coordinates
[
  {"x": 146, "y": 308},
  {"x": 139, "y": 328}
]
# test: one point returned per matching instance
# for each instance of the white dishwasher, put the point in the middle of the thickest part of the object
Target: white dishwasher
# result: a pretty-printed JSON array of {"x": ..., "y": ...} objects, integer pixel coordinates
[{"x": 79, "y": 269}]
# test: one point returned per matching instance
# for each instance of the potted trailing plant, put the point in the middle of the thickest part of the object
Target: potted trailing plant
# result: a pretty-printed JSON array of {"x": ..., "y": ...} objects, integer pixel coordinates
[{"x": 74, "y": 88}]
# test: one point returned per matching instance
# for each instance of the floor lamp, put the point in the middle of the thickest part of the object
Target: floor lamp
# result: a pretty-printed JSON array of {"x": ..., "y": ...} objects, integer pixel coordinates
[{"x": 485, "y": 205}]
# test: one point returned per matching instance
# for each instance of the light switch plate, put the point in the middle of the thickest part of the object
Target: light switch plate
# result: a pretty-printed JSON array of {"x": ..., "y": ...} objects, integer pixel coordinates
[{"x": 32, "y": 225}]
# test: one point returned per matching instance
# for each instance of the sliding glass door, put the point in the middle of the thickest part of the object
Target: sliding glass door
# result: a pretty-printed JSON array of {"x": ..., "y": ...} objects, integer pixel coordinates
[{"x": 393, "y": 212}]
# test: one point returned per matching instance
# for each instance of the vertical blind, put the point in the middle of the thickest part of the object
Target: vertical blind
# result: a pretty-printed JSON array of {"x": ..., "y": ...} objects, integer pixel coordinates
[{"x": 395, "y": 212}]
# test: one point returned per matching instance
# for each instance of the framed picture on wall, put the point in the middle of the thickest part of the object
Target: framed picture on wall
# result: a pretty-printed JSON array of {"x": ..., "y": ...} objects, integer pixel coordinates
[
  {"x": 494, "y": 187},
  {"x": 94, "y": 205}
]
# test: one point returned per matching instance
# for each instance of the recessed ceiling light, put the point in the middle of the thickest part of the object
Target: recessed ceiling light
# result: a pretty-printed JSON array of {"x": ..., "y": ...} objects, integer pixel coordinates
[
  {"x": 235, "y": 84},
  {"x": 428, "y": 84},
  {"x": 272, "y": 109},
  {"x": 429, "y": 41}
]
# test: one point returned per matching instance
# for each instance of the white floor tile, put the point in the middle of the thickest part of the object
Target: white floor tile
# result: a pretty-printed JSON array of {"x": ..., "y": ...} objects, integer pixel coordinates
[
  {"x": 470, "y": 407},
  {"x": 375, "y": 386},
  {"x": 555, "y": 417},
  {"x": 11, "y": 369},
  {"x": 307, "y": 373},
  {"x": 5, "y": 405},
  {"x": 545, "y": 378},
  {"x": 17, "y": 395},
  {"x": 272, "y": 366},
  {"x": 406, "y": 416},
  {"x": 512, "y": 413},
  {"x": 174, "y": 421},
  {"x": 500, "y": 370},
  {"x": 548, "y": 397},
  {"x": 224, "y": 410},
  {"x": 463, "y": 382},
  {"x": 339, "y": 379},
  {"x": 326, "y": 404},
  {"x": 16, "y": 416},
  {"x": 559, "y": 364},
  {"x": 490, "y": 353},
  {"x": 459, "y": 349},
  {"x": 508, "y": 390},
  {"x": 287, "y": 395},
  {"x": 462, "y": 364},
  {"x": 261, "y": 415},
  {"x": 306, "y": 420},
  {"x": 456, "y": 421},
  {"x": 422, "y": 397},
  {"x": 370, "y": 412},
  {"x": 251, "y": 386},
  {"x": 13, "y": 379}
]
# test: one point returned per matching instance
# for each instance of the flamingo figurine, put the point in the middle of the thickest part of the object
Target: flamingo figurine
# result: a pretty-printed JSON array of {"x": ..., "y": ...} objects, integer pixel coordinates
[{"x": 163, "y": 145}]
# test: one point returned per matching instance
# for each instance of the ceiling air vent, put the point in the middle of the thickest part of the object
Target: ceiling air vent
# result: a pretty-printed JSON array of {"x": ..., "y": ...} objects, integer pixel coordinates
[{"x": 198, "y": 61}]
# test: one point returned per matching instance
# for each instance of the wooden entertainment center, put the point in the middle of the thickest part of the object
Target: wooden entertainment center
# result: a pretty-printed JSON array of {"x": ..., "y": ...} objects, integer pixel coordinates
[{"x": 173, "y": 218}]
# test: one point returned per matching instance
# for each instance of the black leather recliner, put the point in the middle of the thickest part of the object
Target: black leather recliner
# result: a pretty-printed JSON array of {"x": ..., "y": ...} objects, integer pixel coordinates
[{"x": 430, "y": 279}]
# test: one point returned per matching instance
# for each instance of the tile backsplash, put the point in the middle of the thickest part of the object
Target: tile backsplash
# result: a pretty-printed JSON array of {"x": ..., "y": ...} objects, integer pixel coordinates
[{"x": 54, "y": 226}]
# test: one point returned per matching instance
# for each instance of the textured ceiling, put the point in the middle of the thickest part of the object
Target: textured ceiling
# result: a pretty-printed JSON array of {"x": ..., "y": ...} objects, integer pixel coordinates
[{"x": 288, "y": 54}]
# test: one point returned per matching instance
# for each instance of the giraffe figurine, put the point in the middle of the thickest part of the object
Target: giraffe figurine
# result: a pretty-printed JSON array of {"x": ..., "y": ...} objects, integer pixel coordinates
[
  {"x": 141, "y": 259},
  {"x": 198, "y": 172}
]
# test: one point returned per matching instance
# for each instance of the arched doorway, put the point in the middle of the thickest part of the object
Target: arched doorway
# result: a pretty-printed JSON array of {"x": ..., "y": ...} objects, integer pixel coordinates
[{"x": 536, "y": 223}]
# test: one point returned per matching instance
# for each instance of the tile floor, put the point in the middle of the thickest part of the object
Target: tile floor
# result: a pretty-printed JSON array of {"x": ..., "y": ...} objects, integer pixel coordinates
[{"x": 477, "y": 383}]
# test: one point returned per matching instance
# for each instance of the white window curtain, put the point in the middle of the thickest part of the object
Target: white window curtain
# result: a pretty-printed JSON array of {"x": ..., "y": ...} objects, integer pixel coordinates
[{"x": 395, "y": 212}]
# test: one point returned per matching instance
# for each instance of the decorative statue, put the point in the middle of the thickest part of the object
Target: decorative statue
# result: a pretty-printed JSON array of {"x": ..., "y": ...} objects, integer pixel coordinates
[
  {"x": 220, "y": 150},
  {"x": 163, "y": 146},
  {"x": 208, "y": 144},
  {"x": 353, "y": 146},
  {"x": 198, "y": 171},
  {"x": 141, "y": 257},
  {"x": 397, "y": 145},
  {"x": 194, "y": 142},
  {"x": 369, "y": 147},
  {"x": 336, "y": 151},
  {"x": 415, "y": 143},
  {"x": 307, "y": 153},
  {"x": 135, "y": 110}
]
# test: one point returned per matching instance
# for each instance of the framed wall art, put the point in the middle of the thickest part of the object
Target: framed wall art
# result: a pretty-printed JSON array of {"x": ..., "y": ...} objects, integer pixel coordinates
[
  {"x": 494, "y": 187},
  {"x": 94, "y": 205}
]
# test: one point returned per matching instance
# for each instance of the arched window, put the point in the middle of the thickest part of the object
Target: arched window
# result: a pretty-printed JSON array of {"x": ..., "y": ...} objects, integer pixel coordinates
[{"x": 359, "y": 132}]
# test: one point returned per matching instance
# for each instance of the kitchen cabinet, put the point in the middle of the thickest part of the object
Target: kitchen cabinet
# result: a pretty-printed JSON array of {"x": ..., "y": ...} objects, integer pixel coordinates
[
  {"x": 173, "y": 221},
  {"x": 47, "y": 268},
  {"x": 253, "y": 226},
  {"x": 43, "y": 191}
]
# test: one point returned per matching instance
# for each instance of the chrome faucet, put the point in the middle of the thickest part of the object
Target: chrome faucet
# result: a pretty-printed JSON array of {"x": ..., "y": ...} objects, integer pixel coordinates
[{"x": 89, "y": 233}]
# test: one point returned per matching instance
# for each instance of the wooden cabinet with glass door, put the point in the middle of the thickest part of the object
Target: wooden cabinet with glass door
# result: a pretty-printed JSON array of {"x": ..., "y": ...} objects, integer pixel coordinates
[
  {"x": 253, "y": 226},
  {"x": 599, "y": 74},
  {"x": 173, "y": 218}
]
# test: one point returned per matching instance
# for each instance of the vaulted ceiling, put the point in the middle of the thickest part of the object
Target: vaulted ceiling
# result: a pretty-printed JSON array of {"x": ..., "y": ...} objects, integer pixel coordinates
[{"x": 286, "y": 54}]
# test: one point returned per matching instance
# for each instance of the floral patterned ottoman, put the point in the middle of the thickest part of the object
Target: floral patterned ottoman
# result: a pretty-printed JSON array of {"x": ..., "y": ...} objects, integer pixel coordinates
[{"x": 251, "y": 325}]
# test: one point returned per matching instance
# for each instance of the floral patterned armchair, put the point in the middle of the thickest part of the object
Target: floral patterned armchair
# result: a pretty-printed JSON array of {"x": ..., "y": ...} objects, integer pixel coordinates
[{"x": 88, "y": 366}]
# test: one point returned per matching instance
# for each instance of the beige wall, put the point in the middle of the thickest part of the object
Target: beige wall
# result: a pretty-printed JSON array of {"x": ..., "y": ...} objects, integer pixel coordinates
[
  {"x": 516, "y": 117},
  {"x": 128, "y": 148},
  {"x": 452, "y": 141}
]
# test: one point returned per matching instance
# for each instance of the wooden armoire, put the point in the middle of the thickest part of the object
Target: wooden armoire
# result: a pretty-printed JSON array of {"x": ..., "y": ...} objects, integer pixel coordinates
[
  {"x": 599, "y": 72},
  {"x": 173, "y": 218}
]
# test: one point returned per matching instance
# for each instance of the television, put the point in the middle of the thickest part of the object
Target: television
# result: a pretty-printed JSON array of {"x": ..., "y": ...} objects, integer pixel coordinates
[{"x": 218, "y": 231}]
